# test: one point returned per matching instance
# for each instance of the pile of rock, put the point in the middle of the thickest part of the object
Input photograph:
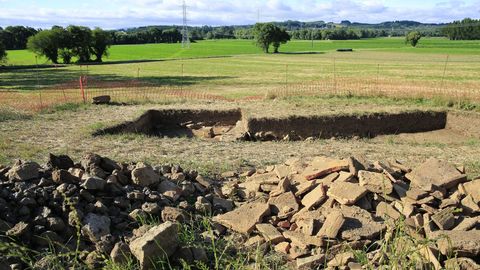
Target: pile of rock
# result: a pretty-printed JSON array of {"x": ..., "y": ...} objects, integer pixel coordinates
[
  {"x": 317, "y": 212},
  {"x": 114, "y": 207}
]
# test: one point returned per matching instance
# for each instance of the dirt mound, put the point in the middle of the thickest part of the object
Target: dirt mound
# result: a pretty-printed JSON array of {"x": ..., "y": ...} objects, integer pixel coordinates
[{"x": 320, "y": 212}]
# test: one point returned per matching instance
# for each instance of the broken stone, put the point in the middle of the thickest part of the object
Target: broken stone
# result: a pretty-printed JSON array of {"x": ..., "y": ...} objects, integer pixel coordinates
[
  {"x": 20, "y": 229},
  {"x": 386, "y": 210},
  {"x": 174, "y": 214},
  {"x": 23, "y": 171},
  {"x": 332, "y": 225},
  {"x": 61, "y": 162},
  {"x": 284, "y": 205},
  {"x": 346, "y": 193},
  {"x": 359, "y": 224},
  {"x": 314, "y": 197},
  {"x": 469, "y": 205},
  {"x": 322, "y": 166},
  {"x": 466, "y": 224},
  {"x": 283, "y": 247},
  {"x": 270, "y": 233},
  {"x": 435, "y": 173},
  {"x": 304, "y": 240},
  {"x": 63, "y": 176},
  {"x": 311, "y": 262},
  {"x": 444, "y": 219},
  {"x": 224, "y": 204},
  {"x": 159, "y": 242},
  {"x": 244, "y": 218},
  {"x": 96, "y": 226},
  {"x": 101, "y": 100},
  {"x": 472, "y": 188},
  {"x": 459, "y": 243},
  {"x": 94, "y": 183},
  {"x": 461, "y": 264},
  {"x": 144, "y": 175},
  {"x": 341, "y": 259},
  {"x": 375, "y": 182}
]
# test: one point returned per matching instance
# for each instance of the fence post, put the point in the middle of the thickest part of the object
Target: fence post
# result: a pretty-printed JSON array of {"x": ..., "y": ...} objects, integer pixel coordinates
[
  {"x": 82, "y": 91},
  {"x": 334, "y": 76},
  {"x": 444, "y": 73}
]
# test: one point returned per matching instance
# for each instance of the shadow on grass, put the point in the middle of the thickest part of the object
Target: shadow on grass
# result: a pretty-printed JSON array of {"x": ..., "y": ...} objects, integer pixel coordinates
[
  {"x": 301, "y": 53},
  {"x": 61, "y": 78}
]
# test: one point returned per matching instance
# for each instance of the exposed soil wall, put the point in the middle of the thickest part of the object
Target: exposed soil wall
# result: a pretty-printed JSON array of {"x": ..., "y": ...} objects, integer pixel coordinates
[
  {"x": 153, "y": 120},
  {"x": 368, "y": 125}
]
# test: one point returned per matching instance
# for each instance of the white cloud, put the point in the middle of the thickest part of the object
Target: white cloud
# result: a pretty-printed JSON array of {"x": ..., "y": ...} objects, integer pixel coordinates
[{"x": 128, "y": 13}]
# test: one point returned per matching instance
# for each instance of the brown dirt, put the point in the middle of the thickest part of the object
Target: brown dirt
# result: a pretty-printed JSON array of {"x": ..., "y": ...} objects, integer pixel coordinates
[{"x": 70, "y": 133}]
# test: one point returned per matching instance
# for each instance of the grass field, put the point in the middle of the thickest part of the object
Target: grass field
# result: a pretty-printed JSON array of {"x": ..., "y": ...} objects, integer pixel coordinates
[
  {"x": 236, "y": 47},
  {"x": 376, "y": 67}
]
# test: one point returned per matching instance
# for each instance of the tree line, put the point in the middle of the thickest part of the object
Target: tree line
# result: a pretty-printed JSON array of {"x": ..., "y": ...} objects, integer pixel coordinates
[
  {"x": 72, "y": 42},
  {"x": 466, "y": 29}
]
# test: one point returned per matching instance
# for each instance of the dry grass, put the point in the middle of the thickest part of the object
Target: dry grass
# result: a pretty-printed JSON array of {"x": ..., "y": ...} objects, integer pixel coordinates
[{"x": 69, "y": 132}]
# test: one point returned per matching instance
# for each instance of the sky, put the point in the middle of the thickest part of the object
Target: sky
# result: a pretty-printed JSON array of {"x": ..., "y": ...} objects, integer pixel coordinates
[{"x": 116, "y": 14}]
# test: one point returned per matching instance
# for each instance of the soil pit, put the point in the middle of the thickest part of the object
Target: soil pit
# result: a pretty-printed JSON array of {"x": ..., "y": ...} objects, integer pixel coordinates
[{"x": 230, "y": 125}]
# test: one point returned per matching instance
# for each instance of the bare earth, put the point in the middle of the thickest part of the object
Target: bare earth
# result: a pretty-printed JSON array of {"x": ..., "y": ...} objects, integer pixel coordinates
[{"x": 70, "y": 133}]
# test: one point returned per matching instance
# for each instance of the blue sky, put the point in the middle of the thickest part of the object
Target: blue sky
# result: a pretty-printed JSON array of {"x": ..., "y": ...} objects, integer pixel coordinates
[{"x": 113, "y": 14}]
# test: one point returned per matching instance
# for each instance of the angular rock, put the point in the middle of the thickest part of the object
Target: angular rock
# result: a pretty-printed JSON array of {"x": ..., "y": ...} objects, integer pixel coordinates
[
  {"x": 100, "y": 100},
  {"x": 121, "y": 253},
  {"x": 346, "y": 193},
  {"x": 224, "y": 204},
  {"x": 386, "y": 210},
  {"x": 444, "y": 219},
  {"x": 461, "y": 264},
  {"x": 94, "y": 183},
  {"x": 283, "y": 247},
  {"x": 20, "y": 229},
  {"x": 304, "y": 240},
  {"x": 244, "y": 218},
  {"x": 332, "y": 225},
  {"x": 375, "y": 182},
  {"x": 472, "y": 188},
  {"x": 469, "y": 205},
  {"x": 311, "y": 262},
  {"x": 61, "y": 162},
  {"x": 341, "y": 259},
  {"x": 96, "y": 226},
  {"x": 284, "y": 205},
  {"x": 467, "y": 224},
  {"x": 63, "y": 176},
  {"x": 158, "y": 243},
  {"x": 144, "y": 175},
  {"x": 270, "y": 233},
  {"x": 322, "y": 166},
  {"x": 459, "y": 243},
  {"x": 435, "y": 173},
  {"x": 359, "y": 224},
  {"x": 23, "y": 171},
  {"x": 174, "y": 214}
]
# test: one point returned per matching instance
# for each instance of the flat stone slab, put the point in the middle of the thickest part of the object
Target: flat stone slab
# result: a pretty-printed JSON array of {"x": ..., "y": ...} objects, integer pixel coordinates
[
  {"x": 437, "y": 173},
  {"x": 472, "y": 188},
  {"x": 284, "y": 205},
  {"x": 462, "y": 243},
  {"x": 315, "y": 197},
  {"x": 322, "y": 166},
  {"x": 359, "y": 224},
  {"x": 346, "y": 193},
  {"x": 375, "y": 182},
  {"x": 244, "y": 218},
  {"x": 332, "y": 225},
  {"x": 270, "y": 233}
]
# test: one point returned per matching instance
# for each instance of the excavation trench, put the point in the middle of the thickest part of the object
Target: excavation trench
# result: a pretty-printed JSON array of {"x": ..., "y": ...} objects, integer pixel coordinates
[{"x": 229, "y": 125}]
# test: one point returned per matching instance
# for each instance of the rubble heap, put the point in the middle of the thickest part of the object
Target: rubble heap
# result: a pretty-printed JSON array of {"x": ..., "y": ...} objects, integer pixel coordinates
[{"x": 318, "y": 212}]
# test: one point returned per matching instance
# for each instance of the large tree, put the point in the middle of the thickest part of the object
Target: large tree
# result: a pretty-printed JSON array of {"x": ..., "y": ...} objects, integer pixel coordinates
[
  {"x": 267, "y": 34},
  {"x": 45, "y": 43},
  {"x": 81, "y": 38},
  {"x": 100, "y": 43},
  {"x": 3, "y": 52},
  {"x": 413, "y": 38}
]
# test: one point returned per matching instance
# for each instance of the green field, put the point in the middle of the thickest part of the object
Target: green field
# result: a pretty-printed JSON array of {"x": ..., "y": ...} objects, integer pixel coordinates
[{"x": 237, "y": 47}]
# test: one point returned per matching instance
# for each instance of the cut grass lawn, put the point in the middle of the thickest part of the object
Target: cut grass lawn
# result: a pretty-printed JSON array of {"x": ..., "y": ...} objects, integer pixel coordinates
[{"x": 211, "y": 48}]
